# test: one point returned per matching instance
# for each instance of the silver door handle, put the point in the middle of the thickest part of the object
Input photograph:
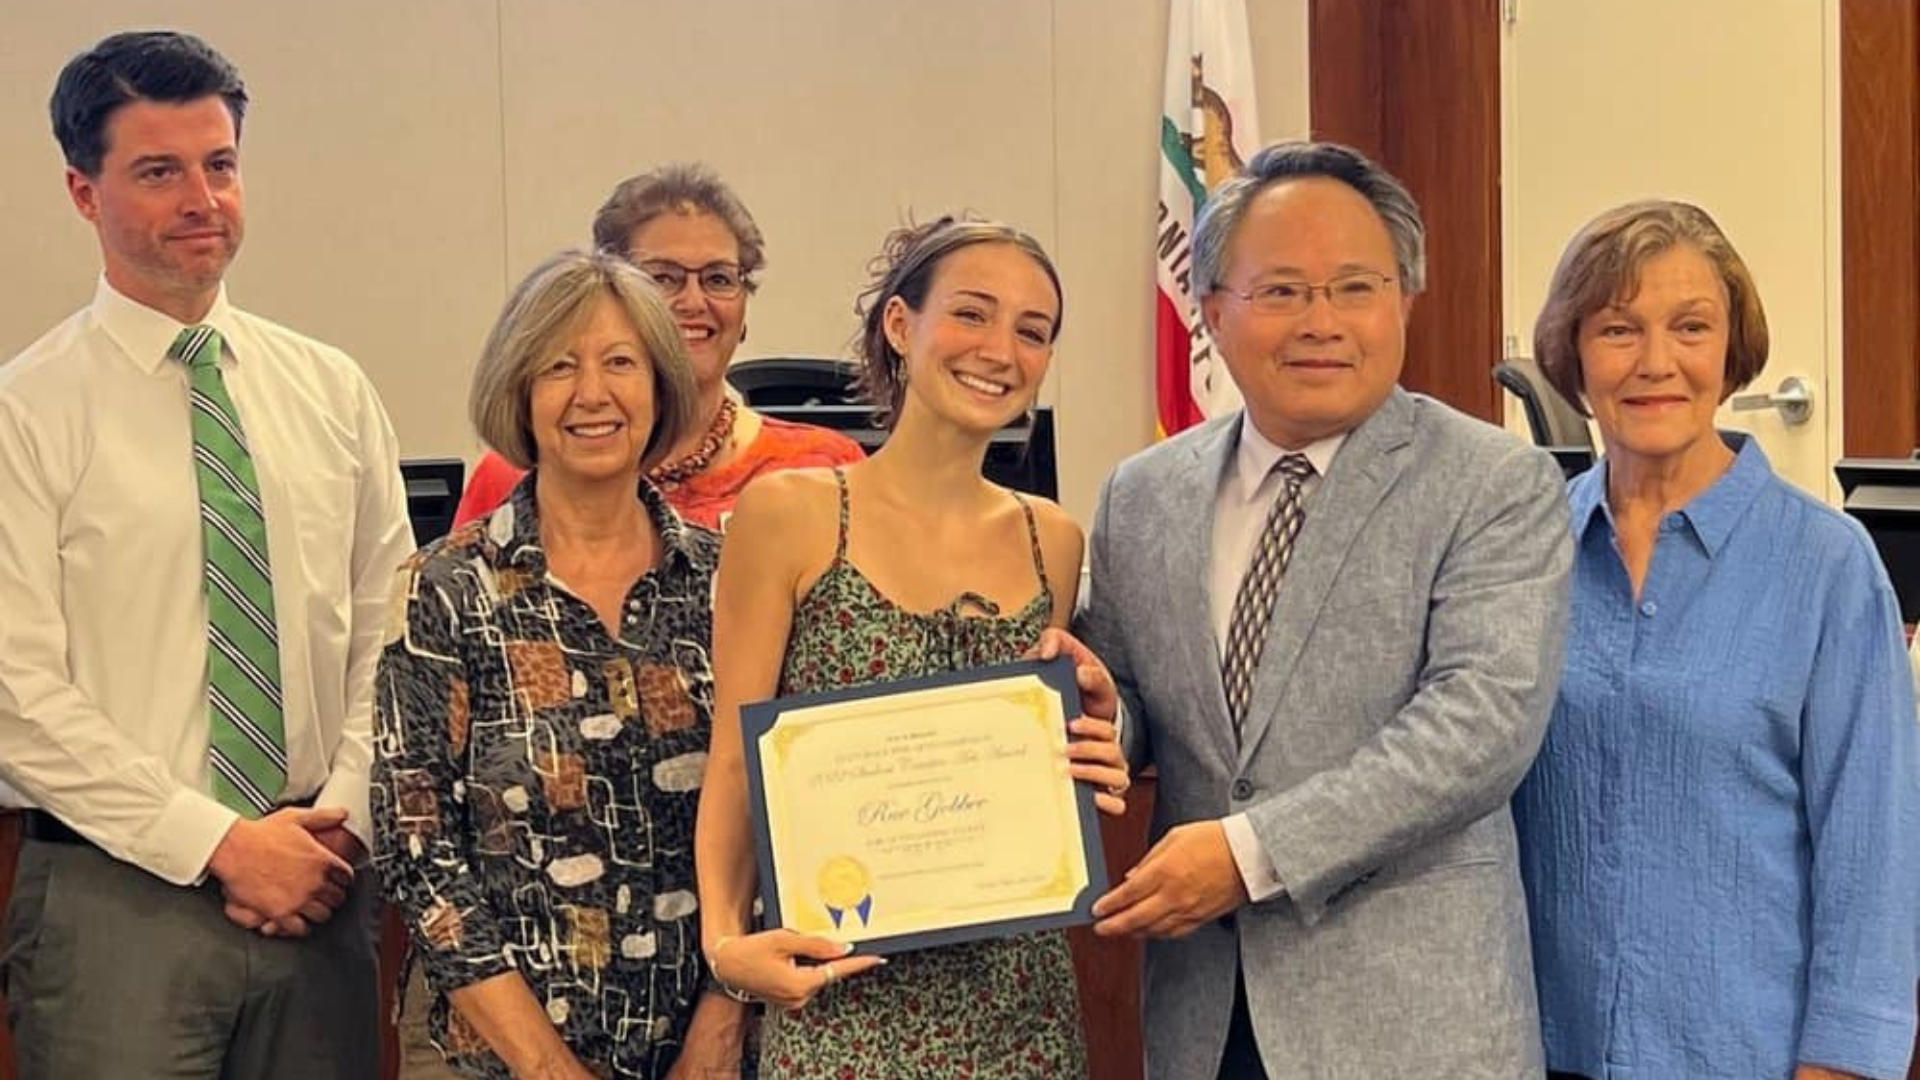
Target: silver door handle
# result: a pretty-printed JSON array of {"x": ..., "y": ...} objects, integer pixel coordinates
[{"x": 1794, "y": 400}]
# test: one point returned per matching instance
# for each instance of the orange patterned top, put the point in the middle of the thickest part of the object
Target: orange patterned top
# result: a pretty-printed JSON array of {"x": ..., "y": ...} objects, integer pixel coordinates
[{"x": 705, "y": 499}]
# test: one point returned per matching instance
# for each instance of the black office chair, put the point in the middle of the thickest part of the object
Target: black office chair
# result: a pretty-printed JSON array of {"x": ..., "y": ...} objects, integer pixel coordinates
[
  {"x": 1551, "y": 418},
  {"x": 1556, "y": 425},
  {"x": 794, "y": 380},
  {"x": 433, "y": 495}
]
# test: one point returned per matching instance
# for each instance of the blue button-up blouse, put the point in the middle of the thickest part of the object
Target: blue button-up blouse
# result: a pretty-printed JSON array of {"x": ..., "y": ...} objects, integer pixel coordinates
[{"x": 1718, "y": 838}]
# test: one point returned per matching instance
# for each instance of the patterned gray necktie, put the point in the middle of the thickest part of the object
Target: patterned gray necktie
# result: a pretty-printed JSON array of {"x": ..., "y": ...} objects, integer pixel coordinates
[{"x": 1253, "y": 603}]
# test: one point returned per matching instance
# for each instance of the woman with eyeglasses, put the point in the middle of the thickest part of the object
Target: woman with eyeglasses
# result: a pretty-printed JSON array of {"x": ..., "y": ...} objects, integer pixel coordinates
[{"x": 692, "y": 235}]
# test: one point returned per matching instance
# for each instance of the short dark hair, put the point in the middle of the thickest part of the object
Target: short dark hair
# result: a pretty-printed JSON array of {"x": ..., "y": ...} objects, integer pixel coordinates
[
  {"x": 908, "y": 259},
  {"x": 1296, "y": 160},
  {"x": 1602, "y": 265},
  {"x": 140, "y": 65},
  {"x": 680, "y": 187}
]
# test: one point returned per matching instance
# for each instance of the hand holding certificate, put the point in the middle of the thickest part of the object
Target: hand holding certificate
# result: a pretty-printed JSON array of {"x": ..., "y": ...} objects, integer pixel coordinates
[{"x": 924, "y": 812}]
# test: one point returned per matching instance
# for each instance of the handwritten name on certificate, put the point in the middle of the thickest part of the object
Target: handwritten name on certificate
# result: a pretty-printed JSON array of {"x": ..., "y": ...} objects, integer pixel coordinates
[{"x": 924, "y": 812}]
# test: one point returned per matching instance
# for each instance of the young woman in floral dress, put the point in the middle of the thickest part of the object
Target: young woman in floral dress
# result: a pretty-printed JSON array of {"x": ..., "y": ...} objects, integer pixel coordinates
[{"x": 908, "y": 564}]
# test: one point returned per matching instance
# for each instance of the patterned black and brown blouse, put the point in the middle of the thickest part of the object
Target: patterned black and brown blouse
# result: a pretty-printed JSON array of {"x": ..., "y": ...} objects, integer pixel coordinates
[{"x": 535, "y": 782}]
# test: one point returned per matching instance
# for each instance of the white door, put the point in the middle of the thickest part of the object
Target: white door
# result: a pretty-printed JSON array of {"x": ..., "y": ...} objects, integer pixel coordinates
[{"x": 1729, "y": 104}]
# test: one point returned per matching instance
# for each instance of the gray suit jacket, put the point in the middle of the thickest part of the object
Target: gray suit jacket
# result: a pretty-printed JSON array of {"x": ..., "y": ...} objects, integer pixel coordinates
[{"x": 1403, "y": 690}]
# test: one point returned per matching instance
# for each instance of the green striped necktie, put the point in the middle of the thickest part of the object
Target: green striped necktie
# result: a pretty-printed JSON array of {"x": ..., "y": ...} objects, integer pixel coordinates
[{"x": 248, "y": 748}]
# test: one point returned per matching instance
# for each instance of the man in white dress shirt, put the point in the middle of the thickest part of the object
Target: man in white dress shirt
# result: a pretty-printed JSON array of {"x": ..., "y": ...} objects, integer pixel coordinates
[{"x": 176, "y": 914}]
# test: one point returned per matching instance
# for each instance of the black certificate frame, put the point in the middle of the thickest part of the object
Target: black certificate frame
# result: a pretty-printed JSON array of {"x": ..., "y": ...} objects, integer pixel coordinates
[{"x": 1057, "y": 675}]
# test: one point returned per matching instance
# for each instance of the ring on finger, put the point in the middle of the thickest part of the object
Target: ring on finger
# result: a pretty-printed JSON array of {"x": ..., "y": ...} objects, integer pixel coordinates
[{"x": 827, "y": 973}]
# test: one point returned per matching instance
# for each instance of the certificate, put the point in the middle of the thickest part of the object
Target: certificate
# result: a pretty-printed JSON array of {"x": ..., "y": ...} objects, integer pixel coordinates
[{"x": 924, "y": 812}]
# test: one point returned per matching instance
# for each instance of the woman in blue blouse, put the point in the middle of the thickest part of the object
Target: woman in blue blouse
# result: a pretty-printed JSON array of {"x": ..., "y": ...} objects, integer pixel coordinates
[{"x": 1718, "y": 838}]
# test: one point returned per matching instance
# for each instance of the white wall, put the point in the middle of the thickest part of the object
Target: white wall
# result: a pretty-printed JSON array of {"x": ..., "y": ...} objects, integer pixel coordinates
[
  {"x": 1740, "y": 116},
  {"x": 406, "y": 162}
]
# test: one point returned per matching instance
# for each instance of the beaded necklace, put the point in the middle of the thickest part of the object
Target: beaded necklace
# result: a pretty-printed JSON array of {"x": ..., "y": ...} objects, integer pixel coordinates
[{"x": 682, "y": 469}]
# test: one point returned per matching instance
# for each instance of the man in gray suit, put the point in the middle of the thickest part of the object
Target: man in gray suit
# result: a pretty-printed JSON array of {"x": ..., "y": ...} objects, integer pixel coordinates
[{"x": 1336, "y": 619}]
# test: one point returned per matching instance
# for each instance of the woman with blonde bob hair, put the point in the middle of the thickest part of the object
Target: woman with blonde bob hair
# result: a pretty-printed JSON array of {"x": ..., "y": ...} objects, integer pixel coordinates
[
  {"x": 536, "y": 323},
  {"x": 1717, "y": 837},
  {"x": 544, "y": 707}
]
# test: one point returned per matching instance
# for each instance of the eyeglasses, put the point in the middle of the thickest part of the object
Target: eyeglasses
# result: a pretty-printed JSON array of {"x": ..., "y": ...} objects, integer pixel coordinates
[
  {"x": 720, "y": 280},
  {"x": 1357, "y": 291}
]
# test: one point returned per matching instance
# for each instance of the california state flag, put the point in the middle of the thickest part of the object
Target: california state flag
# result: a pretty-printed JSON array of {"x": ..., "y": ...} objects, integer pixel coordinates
[{"x": 1207, "y": 131}]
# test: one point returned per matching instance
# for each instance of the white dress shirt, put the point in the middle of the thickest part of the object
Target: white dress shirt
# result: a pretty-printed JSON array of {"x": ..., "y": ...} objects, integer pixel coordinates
[
  {"x": 103, "y": 615},
  {"x": 1248, "y": 490}
]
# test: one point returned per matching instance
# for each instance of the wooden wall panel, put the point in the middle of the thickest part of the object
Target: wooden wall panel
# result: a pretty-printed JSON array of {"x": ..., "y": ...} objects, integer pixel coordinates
[
  {"x": 1109, "y": 969},
  {"x": 1346, "y": 83},
  {"x": 1416, "y": 85},
  {"x": 1880, "y": 224}
]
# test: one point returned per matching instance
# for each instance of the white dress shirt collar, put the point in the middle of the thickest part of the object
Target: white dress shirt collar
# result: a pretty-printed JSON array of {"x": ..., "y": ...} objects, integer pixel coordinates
[
  {"x": 145, "y": 334},
  {"x": 1256, "y": 455}
]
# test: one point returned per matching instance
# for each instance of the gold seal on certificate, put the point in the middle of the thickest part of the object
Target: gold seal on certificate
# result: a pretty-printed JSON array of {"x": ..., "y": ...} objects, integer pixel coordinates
[
  {"x": 844, "y": 886},
  {"x": 924, "y": 812}
]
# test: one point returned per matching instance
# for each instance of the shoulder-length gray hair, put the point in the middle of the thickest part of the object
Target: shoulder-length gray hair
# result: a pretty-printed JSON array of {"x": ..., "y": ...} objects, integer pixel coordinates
[{"x": 540, "y": 320}]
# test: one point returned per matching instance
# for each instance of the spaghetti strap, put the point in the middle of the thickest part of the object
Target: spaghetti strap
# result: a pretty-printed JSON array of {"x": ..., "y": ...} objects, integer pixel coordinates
[
  {"x": 1033, "y": 538},
  {"x": 840, "y": 549},
  {"x": 1015, "y": 992}
]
